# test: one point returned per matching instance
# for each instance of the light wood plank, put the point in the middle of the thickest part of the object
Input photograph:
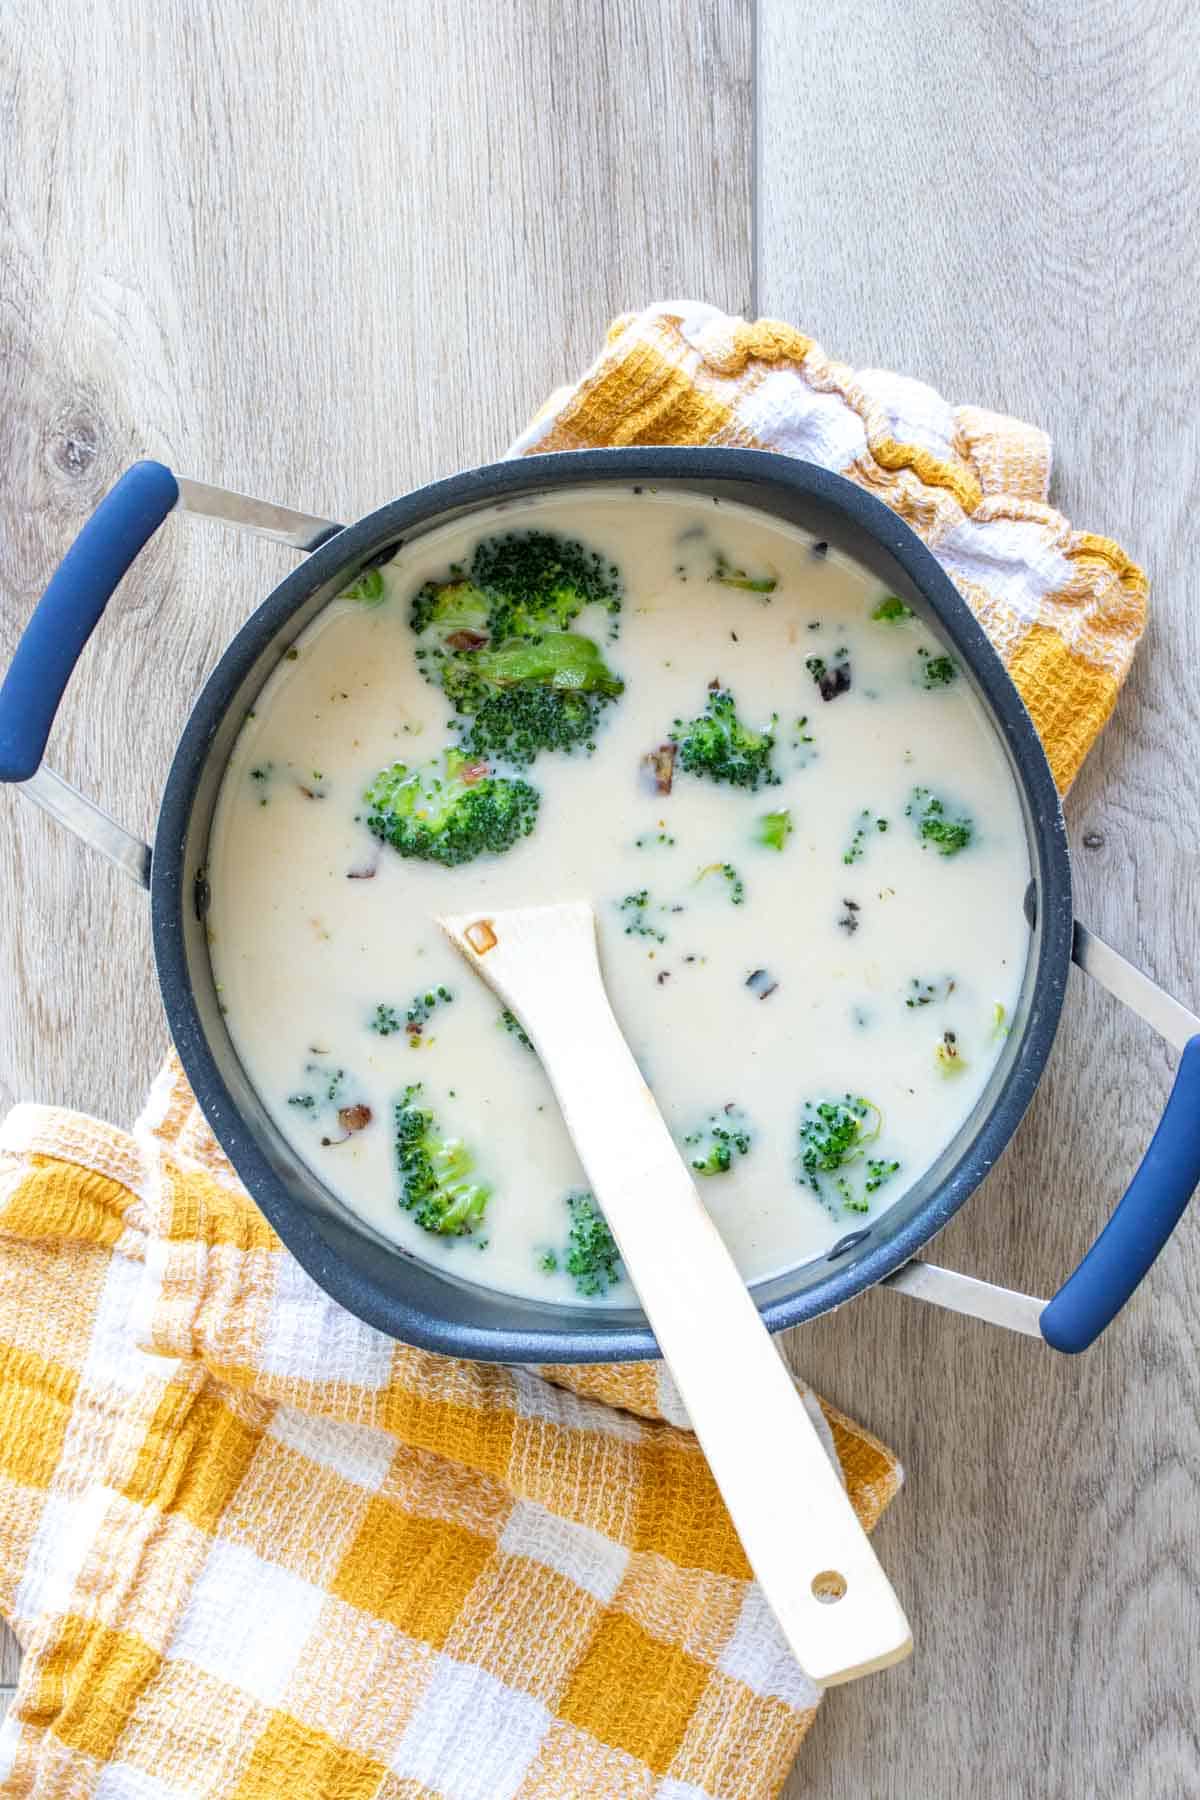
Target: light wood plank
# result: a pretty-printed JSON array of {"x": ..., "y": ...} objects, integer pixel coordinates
[
  {"x": 10, "y": 1664},
  {"x": 320, "y": 255},
  {"x": 992, "y": 198}
]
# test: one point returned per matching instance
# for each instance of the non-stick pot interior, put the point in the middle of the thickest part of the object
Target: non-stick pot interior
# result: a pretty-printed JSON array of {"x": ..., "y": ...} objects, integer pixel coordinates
[{"x": 375, "y": 1279}]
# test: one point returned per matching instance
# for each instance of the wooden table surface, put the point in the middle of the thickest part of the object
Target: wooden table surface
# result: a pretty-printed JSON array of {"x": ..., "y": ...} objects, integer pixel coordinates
[{"x": 329, "y": 255}]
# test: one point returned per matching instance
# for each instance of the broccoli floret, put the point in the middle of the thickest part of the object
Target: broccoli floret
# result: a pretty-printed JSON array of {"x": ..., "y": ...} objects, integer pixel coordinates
[
  {"x": 368, "y": 590},
  {"x": 547, "y": 1262},
  {"x": 718, "y": 1142},
  {"x": 496, "y": 639},
  {"x": 528, "y": 695},
  {"x": 385, "y": 1020},
  {"x": 453, "y": 614},
  {"x": 719, "y": 746},
  {"x": 556, "y": 659},
  {"x": 592, "y": 1257},
  {"x": 519, "y": 584},
  {"x": 937, "y": 671},
  {"x": 774, "y": 829},
  {"x": 433, "y": 1172},
  {"x": 891, "y": 610},
  {"x": 934, "y": 827},
  {"x": 449, "y": 811},
  {"x": 834, "y": 1134}
]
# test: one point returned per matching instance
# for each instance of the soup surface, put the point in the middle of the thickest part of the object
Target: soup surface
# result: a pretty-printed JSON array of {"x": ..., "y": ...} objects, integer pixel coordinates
[{"x": 811, "y": 931}]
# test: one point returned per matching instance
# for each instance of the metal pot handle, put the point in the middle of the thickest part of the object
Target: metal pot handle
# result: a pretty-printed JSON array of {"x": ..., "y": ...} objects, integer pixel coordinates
[
  {"x": 71, "y": 608},
  {"x": 1143, "y": 1219}
]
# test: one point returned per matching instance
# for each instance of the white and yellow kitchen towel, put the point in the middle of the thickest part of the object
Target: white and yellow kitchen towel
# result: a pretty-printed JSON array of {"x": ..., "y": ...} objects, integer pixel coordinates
[
  {"x": 256, "y": 1551},
  {"x": 1065, "y": 608}
]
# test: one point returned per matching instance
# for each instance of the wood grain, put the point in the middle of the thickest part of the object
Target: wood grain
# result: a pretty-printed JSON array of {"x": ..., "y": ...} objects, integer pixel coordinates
[
  {"x": 992, "y": 198},
  {"x": 320, "y": 257},
  {"x": 330, "y": 257}
]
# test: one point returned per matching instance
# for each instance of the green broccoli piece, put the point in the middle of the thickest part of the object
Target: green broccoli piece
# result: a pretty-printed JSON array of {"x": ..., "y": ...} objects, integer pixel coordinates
[
  {"x": 937, "y": 671},
  {"x": 433, "y": 1172},
  {"x": 856, "y": 848},
  {"x": 385, "y": 1020},
  {"x": 833, "y": 1133},
  {"x": 421, "y": 1009},
  {"x": 452, "y": 614},
  {"x": 878, "y": 1171},
  {"x": 636, "y": 907},
  {"x": 592, "y": 1257},
  {"x": 450, "y": 811},
  {"x": 891, "y": 610},
  {"x": 368, "y": 590},
  {"x": 735, "y": 886},
  {"x": 557, "y": 659},
  {"x": 947, "y": 836},
  {"x": 514, "y": 1027},
  {"x": 738, "y": 578},
  {"x": 718, "y": 1142},
  {"x": 774, "y": 829},
  {"x": 547, "y": 1262},
  {"x": 717, "y": 745},
  {"x": 519, "y": 584},
  {"x": 529, "y": 695},
  {"x": 496, "y": 639},
  {"x": 329, "y": 1084}
]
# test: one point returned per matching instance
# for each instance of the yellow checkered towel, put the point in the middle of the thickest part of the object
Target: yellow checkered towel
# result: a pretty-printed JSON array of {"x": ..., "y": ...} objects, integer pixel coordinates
[
  {"x": 255, "y": 1549},
  {"x": 1064, "y": 608}
]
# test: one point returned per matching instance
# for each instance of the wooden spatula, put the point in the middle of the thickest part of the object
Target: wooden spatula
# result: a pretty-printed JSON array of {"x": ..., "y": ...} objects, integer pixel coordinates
[{"x": 810, "y": 1555}]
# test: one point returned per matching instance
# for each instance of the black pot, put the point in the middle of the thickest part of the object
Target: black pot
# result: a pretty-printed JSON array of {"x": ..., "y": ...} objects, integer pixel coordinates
[{"x": 383, "y": 1284}]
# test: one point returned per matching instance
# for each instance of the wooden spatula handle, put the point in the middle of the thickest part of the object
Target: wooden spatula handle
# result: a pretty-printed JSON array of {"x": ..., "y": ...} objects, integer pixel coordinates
[{"x": 810, "y": 1555}]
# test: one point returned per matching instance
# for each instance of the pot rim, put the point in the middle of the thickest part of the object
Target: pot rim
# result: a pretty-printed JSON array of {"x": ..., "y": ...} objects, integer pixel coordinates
[{"x": 171, "y": 886}]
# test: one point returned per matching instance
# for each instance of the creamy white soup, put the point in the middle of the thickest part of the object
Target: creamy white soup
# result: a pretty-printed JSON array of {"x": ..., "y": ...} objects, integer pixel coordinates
[{"x": 796, "y": 826}]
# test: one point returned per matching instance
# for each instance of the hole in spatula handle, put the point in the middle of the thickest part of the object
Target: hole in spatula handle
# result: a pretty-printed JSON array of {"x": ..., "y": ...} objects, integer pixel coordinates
[{"x": 828, "y": 1586}]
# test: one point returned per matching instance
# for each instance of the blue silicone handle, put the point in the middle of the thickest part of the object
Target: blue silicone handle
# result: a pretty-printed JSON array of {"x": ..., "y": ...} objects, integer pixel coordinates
[
  {"x": 1144, "y": 1219},
  {"x": 70, "y": 609}
]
